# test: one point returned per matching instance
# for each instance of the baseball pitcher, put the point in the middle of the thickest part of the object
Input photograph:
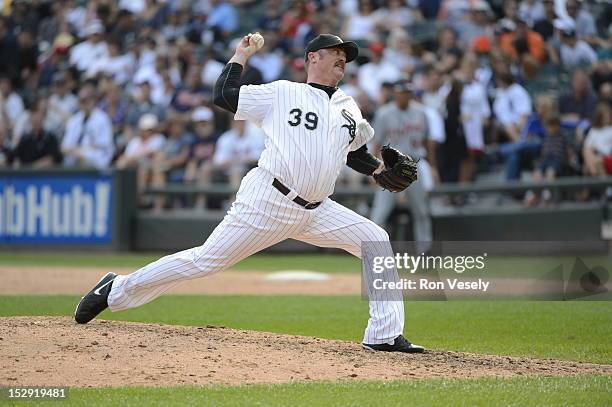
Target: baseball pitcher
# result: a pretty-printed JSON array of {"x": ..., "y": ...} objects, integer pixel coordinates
[{"x": 312, "y": 129}]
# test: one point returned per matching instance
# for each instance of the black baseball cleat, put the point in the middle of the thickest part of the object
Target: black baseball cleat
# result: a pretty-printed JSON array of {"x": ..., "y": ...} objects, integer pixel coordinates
[
  {"x": 400, "y": 344},
  {"x": 95, "y": 301}
]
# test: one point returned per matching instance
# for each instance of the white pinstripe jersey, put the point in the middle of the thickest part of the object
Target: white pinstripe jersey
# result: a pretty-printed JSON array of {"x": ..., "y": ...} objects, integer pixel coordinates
[{"x": 308, "y": 135}]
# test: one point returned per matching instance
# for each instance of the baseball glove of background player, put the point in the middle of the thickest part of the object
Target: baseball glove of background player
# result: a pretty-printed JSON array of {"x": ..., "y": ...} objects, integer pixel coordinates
[{"x": 400, "y": 170}]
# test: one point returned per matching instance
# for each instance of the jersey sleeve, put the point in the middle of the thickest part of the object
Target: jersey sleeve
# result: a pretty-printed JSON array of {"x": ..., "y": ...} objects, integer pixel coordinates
[
  {"x": 255, "y": 102},
  {"x": 361, "y": 137}
]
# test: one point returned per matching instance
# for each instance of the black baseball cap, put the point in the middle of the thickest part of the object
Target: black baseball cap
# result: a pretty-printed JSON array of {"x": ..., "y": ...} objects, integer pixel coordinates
[{"x": 322, "y": 41}]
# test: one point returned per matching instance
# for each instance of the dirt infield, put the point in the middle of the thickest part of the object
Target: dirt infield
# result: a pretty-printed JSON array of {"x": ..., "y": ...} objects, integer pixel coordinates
[
  {"x": 72, "y": 280},
  {"x": 56, "y": 351}
]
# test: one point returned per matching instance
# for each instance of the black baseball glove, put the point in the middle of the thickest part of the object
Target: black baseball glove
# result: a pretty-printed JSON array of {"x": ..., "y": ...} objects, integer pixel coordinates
[{"x": 400, "y": 170}]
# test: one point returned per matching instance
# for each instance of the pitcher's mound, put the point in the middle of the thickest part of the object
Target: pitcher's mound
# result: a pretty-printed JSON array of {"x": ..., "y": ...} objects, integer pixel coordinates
[{"x": 55, "y": 351}]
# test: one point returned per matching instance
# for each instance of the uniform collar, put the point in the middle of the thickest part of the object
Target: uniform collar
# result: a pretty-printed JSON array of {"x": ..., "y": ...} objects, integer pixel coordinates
[{"x": 330, "y": 90}]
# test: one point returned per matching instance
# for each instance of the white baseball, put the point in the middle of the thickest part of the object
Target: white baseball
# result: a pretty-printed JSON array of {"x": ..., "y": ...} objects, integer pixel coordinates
[{"x": 257, "y": 39}]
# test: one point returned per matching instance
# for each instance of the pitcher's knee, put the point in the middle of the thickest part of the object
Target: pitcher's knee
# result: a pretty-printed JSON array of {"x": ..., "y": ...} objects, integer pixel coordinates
[{"x": 377, "y": 234}]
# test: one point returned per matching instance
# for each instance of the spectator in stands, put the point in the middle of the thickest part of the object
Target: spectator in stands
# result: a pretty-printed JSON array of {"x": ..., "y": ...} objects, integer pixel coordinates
[
  {"x": 520, "y": 154},
  {"x": 116, "y": 65},
  {"x": 11, "y": 103},
  {"x": 531, "y": 11},
  {"x": 374, "y": 73},
  {"x": 476, "y": 22},
  {"x": 573, "y": 52},
  {"x": 142, "y": 103},
  {"x": 512, "y": 106},
  {"x": 169, "y": 164},
  {"x": 361, "y": 25},
  {"x": 141, "y": 150},
  {"x": 583, "y": 21},
  {"x": 191, "y": 93},
  {"x": 222, "y": 18},
  {"x": 447, "y": 50},
  {"x": 200, "y": 164},
  {"x": 524, "y": 46},
  {"x": 37, "y": 148},
  {"x": 554, "y": 157},
  {"x": 578, "y": 103},
  {"x": 453, "y": 150},
  {"x": 597, "y": 149},
  {"x": 475, "y": 112},
  {"x": 88, "y": 141},
  {"x": 94, "y": 48},
  {"x": 8, "y": 50},
  {"x": 115, "y": 106},
  {"x": 544, "y": 25},
  {"x": 62, "y": 103},
  {"x": 238, "y": 150}
]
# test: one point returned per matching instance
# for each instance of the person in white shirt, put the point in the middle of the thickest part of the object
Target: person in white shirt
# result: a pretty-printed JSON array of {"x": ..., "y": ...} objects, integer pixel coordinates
[
  {"x": 475, "y": 111},
  {"x": 512, "y": 106},
  {"x": 10, "y": 102},
  {"x": 119, "y": 66},
  {"x": 88, "y": 141},
  {"x": 597, "y": 149},
  {"x": 574, "y": 52},
  {"x": 62, "y": 103},
  {"x": 140, "y": 150},
  {"x": 374, "y": 73},
  {"x": 88, "y": 52},
  {"x": 238, "y": 150}
]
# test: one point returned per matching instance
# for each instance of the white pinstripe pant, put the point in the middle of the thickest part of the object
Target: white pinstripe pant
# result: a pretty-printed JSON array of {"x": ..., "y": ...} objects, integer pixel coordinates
[{"x": 260, "y": 217}]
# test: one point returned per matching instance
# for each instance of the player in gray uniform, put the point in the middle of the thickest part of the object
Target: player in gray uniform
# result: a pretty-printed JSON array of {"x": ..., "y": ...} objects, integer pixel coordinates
[
  {"x": 312, "y": 130},
  {"x": 403, "y": 124}
]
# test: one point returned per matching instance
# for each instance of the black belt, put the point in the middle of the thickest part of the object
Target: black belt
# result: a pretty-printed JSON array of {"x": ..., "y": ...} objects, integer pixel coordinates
[{"x": 298, "y": 200}]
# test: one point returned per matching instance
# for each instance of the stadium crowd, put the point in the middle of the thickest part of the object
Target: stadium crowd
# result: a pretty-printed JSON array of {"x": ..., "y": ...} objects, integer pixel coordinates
[{"x": 525, "y": 85}]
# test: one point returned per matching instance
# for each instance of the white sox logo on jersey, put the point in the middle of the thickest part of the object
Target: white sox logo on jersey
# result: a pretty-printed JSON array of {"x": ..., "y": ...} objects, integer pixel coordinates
[{"x": 351, "y": 125}]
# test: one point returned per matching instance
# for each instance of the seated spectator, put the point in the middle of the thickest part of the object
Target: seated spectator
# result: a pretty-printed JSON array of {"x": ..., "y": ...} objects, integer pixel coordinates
[
  {"x": 583, "y": 20},
  {"x": 524, "y": 46},
  {"x": 597, "y": 149},
  {"x": 531, "y": 11},
  {"x": 520, "y": 154},
  {"x": 554, "y": 157},
  {"x": 238, "y": 150},
  {"x": 11, "y": 104},
  {"x": 578, "y": 103},
  {"x": 93, "y": 49},
  {"x": 118, "y": 66},
  {"x": 361, "y": 25},
  {"x": 544, "y": 24},
  {"x": 88, "y": 141},
  {"x": 200, "y": 163},
  {"x": 140, "y": 151},
  {"x": 191, "y": 93},
  {"x": 169, "y": 163},
  {"x": 374, "y": 73},
  {"x": 115, "y": 106},
  {"x": 142, "y": 103},
  {"x": 62, "y": 103},
  {"x": 512, "y": 107},
  {"x": 573, "y": 52},
  {"x": 37, "y": 148}
]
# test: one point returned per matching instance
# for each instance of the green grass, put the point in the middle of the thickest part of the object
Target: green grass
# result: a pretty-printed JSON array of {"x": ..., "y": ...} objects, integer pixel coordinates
[
  {"x": 327, "y": 263},
  {"x": 535, "y": 391},
  {"x": 563, "y": 330}
]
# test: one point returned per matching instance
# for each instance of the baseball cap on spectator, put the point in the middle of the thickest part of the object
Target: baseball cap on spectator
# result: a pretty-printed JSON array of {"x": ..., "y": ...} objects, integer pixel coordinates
[
  {"x": 505, "y": 25},
  {"x": 564, "y": 24},
  {"x": 94, "y": 27},
  {"x": 202, "y": 114},
  {"x": 147, "y": 121}
]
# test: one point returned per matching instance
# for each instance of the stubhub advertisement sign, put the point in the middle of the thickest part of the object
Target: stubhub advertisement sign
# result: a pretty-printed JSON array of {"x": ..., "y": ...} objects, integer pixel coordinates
[{"x": 60, "y": 209}]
